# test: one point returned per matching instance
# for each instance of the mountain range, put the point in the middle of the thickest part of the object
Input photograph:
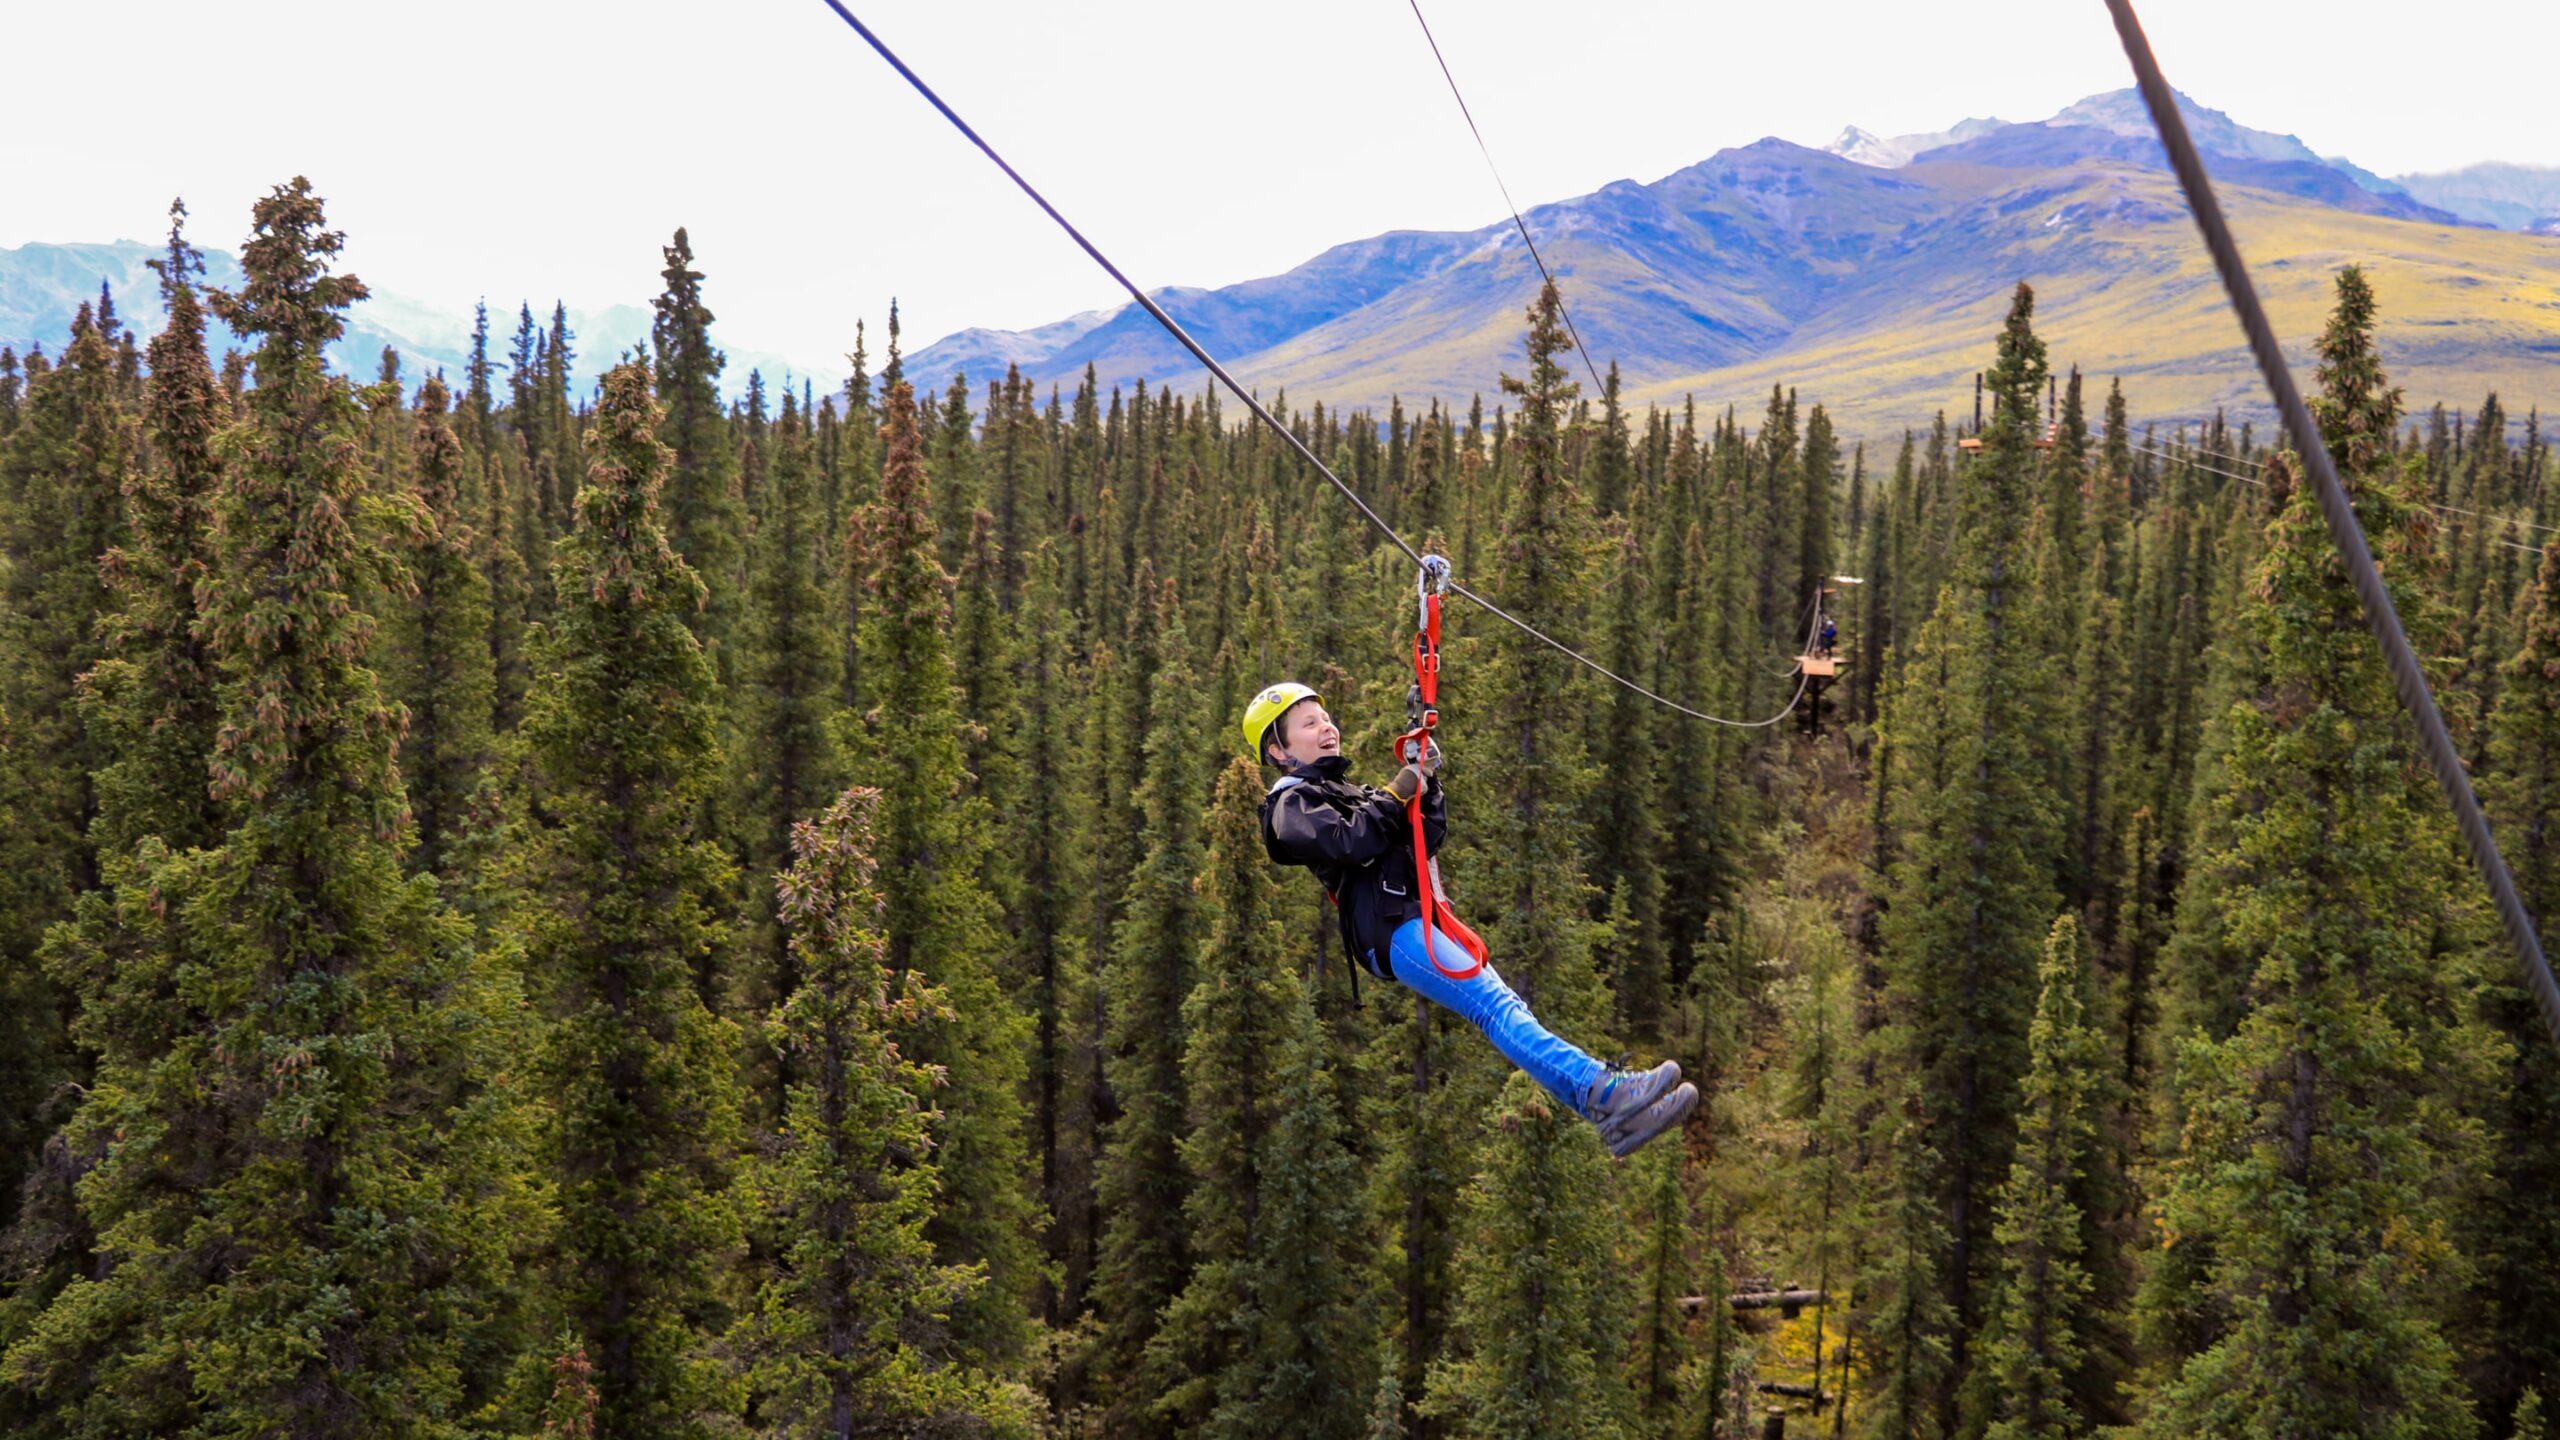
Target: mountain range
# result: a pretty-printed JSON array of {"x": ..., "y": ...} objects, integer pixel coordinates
[
  {"x": 1870, "y": 273},
  {"x": 1873, "y": 274}
]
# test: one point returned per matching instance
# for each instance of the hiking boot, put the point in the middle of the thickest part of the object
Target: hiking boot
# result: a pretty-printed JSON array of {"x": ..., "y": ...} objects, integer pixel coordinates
[
  {"x": 1633, "y": 1106},
  {"x": 1663, "y": 1114}
]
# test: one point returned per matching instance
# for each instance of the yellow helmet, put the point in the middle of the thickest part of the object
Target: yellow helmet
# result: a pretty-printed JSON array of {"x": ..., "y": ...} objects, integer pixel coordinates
[{"x": 1272, "y": 702}]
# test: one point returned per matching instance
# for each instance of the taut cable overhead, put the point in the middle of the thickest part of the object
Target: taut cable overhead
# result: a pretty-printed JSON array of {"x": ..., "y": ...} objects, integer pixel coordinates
[
  {"x": 1210, "y": 363},
  {"x": 1523, "y": 226},
  {"x": 2407, "y": 677}
]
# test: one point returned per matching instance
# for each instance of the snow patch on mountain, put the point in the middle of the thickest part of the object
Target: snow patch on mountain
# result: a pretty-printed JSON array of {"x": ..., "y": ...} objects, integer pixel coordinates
[{"x": 1892, "y": 153}]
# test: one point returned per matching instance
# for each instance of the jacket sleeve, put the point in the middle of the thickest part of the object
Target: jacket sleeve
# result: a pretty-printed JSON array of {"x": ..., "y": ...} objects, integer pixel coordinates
[
  {"x": 1305, "y": 832},
  {"x": 1435, "y": 814}
]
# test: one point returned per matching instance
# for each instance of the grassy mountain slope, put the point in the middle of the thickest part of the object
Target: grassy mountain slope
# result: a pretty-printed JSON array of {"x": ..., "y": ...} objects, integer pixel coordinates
[{"x": 1875, "y": 289}]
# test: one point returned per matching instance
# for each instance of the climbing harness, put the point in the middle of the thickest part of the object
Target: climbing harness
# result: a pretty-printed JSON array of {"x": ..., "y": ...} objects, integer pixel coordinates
[
  {"x": 1422, "y": 714},
  {"x": 2408, "y": 678}
]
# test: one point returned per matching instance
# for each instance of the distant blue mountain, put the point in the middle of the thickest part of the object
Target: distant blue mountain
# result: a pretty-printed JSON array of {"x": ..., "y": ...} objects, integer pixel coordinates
[{"x": 1759, "y": 251}]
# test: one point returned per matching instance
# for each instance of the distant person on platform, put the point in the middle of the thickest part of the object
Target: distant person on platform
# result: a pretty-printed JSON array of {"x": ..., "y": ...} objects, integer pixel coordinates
[{"x": 1359, "y": 842}]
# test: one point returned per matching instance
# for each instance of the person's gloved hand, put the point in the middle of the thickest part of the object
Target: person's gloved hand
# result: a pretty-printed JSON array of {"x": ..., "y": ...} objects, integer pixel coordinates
[{"x": 1407, "y": 784}]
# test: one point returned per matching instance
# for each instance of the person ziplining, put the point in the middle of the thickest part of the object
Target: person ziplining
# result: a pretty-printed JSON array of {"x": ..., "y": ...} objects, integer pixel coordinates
[{"x": 1370, "y": 848}]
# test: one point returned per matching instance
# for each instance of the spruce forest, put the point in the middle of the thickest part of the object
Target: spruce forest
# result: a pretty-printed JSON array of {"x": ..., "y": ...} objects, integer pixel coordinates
[{"x": 648, "y": 914}]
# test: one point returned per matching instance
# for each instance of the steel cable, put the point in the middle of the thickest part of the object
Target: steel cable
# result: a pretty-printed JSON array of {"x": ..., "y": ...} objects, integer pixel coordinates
[
  {"x": 2407, "y": 676},
  {"x": 1496, "y": 171},
  {"x": 1210, "y": 363}
]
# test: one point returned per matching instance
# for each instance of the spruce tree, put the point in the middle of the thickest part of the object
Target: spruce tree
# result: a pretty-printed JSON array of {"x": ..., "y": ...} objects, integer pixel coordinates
[
  {"x": 1141, "y": 1184},
  {"x": 940, "y": 916},
  {"x": 1658, "y": 1369},
  {"x": 1274, "y": 1319},
  {"x": 2030, "y": 1379},
  {"x": 149, "y": 701},
  {"x": 1526, "y": 862},
  {"x": 704, "y": 521},
  {"x": 438, "y": 664},
  {"x": 1541, "y": 1313},
  {"x": 1814, "y": 547},
  {"x": 1972, "y": 892},
  {"x": 62, "y": 474},
  {"x": 1626, "y": 825},
  {"x": 786, "y": 762},
  {"x": 2317, "y": 1135},
  {"x": 1055, "y": 979},
  {"x": 623, "y": 906},
  {"x": 2522, "y": 1221},
  {"x": 302, "y": 1191},
  {"x": 831, "y": 1344}
]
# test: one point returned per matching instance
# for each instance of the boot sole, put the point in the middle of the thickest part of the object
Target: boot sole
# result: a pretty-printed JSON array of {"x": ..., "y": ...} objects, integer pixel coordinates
[{"x": 1664, "y": 1114}]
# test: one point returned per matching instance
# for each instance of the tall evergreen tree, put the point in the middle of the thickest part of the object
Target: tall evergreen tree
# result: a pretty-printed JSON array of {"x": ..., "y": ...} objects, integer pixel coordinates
[
  {"x": 150, "y": 700},
  {"x": 1971, "y": 890},
  {"x": 1541, "y": 1313},
  {"x": 306, "y": 1239},
  {"x": 832, "y": 1342},
  {"x": 1527, "y": 860},
  {"x": 1658, "y": 1368},
  {"x": 1273, "y": 1320},
  {"x": 939, "y": 913},
  {"x": 1141, "y": 1184},
  {"x": 623, "y": 906},
  {"x": 786, "y": 763},
  {"x": 438, "y": 664},
  {"x": 704, "y": 518},
  {"x": 2030, "y": 1383},
  {"x": 2522, "y": 1219},
  {"x": 62, "y": 476},
  {"x": 2317, "y": 1137}
]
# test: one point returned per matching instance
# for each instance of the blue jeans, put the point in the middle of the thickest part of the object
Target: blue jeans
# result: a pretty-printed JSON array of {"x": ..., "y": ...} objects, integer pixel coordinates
[{"x": 1482, "y": 1000}]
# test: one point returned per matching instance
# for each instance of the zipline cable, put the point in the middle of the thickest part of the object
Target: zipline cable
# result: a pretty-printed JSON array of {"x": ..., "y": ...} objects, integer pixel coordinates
[
  {"x": 1146, "y": 302},
  {"x": 2436, "y": 505},
  {"x": 2187, "y": 458},
  {"x": 2407, "y": 676},
  {"x": 1210, "y": 363},
  {"x": 1496, "y": 171}
]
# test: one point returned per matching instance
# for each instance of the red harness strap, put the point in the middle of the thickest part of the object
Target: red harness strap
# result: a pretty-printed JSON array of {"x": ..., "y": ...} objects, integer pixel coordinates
[{"x": 1410, "y": 748}]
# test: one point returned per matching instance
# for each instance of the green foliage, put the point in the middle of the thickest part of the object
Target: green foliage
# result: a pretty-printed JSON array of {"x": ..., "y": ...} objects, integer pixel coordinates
[
  {"x": 438, "y": 665},
  {"x": 786, "y": 762},
  {"x": 702, "y": 502},
  {"x": 2035, "y": 1352},
  {"x": 1665, "y": 1274},
  {"x": 941, "y": 921},
  {"x": 623, "y": 909},
  {"x": 1541, "y": 1311},
  {"x": 1971, "y": 889},
  {"x": 832, "y": 1343},
  {"x": 1058, "y": 1089},
  {"x": 2314, "y": 1150},
  {"x": 1142, "y": 1185},
  {"x": 302, "y": 1182},
  {"x": 1274, "y": 1318}
]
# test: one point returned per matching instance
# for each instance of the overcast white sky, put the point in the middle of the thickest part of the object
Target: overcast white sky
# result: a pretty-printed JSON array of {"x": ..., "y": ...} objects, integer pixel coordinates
[{"x": 531, "y": 148}]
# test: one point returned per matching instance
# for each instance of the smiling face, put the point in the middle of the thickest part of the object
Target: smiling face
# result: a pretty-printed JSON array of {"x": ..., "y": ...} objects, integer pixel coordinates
[{"x": 1305, "y": 734}]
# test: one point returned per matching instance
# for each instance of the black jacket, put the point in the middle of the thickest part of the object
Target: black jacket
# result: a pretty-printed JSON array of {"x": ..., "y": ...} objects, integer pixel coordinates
[{"x": 1359, "y": 842}]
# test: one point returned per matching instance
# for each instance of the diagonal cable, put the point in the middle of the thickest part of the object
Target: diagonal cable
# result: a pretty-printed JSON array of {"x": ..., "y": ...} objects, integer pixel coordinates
[
  {"x": 2407, "y": 676},
  {"x": 1210, "y": 363},
  {"x": 1487, "y": 152}
]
